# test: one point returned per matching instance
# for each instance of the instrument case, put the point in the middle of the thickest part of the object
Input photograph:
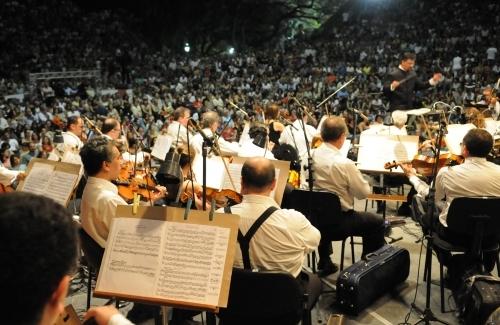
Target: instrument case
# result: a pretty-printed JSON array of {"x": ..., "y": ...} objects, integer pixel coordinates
[{"x": 366, "y": 280}]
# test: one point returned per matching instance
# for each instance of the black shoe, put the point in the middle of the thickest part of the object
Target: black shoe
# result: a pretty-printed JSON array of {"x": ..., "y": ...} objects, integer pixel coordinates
[
  {"x": 328, "y": 269},
  {"x": 142, "y": 312},
  {"x": 404, "y": 210}
]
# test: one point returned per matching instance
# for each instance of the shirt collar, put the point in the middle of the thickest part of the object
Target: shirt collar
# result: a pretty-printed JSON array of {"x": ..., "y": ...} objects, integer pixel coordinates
[
  {"x": 260, "y": 199},
  {"x": 103, "y": 183}
]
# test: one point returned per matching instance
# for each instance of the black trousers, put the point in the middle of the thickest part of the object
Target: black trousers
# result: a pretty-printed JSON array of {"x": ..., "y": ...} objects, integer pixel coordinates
[{"x": 367, "y": 225}]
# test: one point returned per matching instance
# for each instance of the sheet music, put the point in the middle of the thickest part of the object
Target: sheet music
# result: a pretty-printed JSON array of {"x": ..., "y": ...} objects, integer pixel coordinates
[
  {"x": 192, "y": 262},
  {"x": 345, "y": 148},
  {"x": 44, "y": 180},
  {"x": 215, "y": 171},
  {"x": 168, "y": 260},
  {"x": 235, "y": 171},
  {"x": 37, "y": 179},
  {"x": 376, "y": 150},
  {"x": 455, "y": 135},
  {"x": 162, "y": 146}
]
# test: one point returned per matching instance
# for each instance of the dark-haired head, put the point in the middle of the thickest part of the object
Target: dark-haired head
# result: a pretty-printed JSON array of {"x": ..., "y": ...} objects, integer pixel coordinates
[
  {"x": 96, "y": 151},
  {"x": 39, "y": 249},
  {"x": 478, "y": 143}
]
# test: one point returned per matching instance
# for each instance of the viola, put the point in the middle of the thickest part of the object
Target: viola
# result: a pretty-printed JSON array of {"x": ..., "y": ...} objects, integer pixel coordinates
[{"x": 424, "y": 164}]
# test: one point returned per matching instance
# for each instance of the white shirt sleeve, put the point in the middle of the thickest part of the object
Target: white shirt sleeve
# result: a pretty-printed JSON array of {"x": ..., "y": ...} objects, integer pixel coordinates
[
  {"x": 119, "y": 319},
  {"x": 432, "y": 82},
  {"x": 7, "y": 176},
  {"x": 358, "y": 185},
  {"x": 420, "y": 186}
]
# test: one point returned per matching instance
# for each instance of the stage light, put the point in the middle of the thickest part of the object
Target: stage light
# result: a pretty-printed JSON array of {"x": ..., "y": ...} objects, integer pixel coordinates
[
  {"x": 187, "y": 48},
  {"x": 231, "y": 50}
]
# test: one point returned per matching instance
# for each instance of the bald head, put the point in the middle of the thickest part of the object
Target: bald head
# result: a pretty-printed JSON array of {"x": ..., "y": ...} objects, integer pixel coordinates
[
  {"x": 257, "y": 176},
  {"x": 333, "y": 128},
  {"x": 210, "y": 120},
  {"x": 111, "y": 127}
]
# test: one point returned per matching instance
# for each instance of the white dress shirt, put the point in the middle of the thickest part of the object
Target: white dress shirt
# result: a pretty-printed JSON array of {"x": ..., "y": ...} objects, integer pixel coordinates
[
  {"x": 141, "y": 157},
  {"x": 72, "y": 142},
  {"x": 294, "y": 136},
  {"x": 99, "y": 201},
  {"x": 7, "y": 176},
  {"x": 475, "y": 177},
  {"x": 337, "y": 174},
  {"x": 249, "y": 149},
  {"x": 175, "y": 129},
  {"x": 283, "y": 240},
  {"x": 227, "y": 148},
  {"x": 119, "y": 319}
]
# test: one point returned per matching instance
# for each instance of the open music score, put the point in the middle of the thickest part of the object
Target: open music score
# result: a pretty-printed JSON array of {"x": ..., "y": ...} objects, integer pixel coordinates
[
  {"x": 157, "y": 256},
  {"x": 376, "y": 150},
  {"x": 162, "y": 146},
  {"x": 52, "y": 179}
]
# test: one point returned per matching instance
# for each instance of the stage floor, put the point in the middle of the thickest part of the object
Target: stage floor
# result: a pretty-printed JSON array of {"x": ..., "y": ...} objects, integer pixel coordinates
[{"x": 392, "y": 308}]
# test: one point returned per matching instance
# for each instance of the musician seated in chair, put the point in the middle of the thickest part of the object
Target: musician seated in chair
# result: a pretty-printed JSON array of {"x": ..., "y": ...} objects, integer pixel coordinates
[
  {"x": 102, "y": 162},
  {"x": 282, "y": 242},
  {"x": 475, "y": 177},
  {"x": 339, "y": 175}
]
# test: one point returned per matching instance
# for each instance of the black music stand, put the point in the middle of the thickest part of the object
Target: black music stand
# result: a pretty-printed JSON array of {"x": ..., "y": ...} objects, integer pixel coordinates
[{"x": 427, "y": 314}]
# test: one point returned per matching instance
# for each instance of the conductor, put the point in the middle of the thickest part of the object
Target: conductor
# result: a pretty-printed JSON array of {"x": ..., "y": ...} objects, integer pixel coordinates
[{"x": 402, "y": 83}]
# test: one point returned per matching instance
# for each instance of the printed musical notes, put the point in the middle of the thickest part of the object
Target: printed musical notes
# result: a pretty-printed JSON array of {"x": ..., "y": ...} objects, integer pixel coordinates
[{"x": 178, "y": 262}]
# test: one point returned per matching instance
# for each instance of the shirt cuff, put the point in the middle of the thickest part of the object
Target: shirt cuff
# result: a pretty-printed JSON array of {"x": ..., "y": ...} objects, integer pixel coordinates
[{"x": 119, "y": 319}]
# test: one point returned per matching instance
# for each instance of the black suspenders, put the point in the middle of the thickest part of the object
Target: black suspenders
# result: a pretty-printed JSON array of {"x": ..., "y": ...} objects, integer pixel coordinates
[{"x": 244, "y": 241}]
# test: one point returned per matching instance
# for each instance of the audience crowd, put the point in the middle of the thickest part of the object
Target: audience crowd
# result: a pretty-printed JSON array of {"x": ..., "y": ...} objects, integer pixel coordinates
[{"x": 141, "y": 85}]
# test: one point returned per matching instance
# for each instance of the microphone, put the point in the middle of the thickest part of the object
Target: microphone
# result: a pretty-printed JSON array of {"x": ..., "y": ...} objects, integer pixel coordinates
[{"x": 237, "y": 108}]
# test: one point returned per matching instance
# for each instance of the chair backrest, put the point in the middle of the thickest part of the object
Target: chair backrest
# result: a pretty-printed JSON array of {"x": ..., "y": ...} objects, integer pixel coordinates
[
  {"x": 263, "y": 298},
  {"x": 91, "y": 249},
  {"x": 321, "y": 208},
  {"x": 477, "y": 217}
]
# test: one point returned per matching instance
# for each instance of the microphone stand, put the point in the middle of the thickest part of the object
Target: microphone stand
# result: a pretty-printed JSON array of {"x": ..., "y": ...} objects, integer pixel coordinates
[
  {"x": 428, "y": 315},
  {"x": 309, "y": 167},
  {"x": 207, "y": 144}
]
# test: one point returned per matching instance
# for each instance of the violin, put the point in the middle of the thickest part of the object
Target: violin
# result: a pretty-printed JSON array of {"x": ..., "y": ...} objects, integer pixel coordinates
[
  {"x": 222, "y": 197},
  {"x": 6, "y": 189},
  {"x": 142, "y": 184},
  {"x": 424, "y": 164}
]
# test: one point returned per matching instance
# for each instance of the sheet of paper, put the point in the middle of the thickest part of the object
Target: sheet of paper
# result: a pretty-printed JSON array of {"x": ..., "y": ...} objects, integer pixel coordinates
[
  {"x": 345, "y": 148},
  {"x": 166, "y": 260},
  {"x": 376, "y": 150},
  {"x": 162, "y": 146},
  {"x": 192, "y": 262},
  {"x": 60, "y": 186},
  {"x": 235, "y": 171},
  {"x": 44, "y": 180},
  {"x": 455, "y": 135},
  {"x": 37, "y": 179},
  {"x": 215, "y": 171}
]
